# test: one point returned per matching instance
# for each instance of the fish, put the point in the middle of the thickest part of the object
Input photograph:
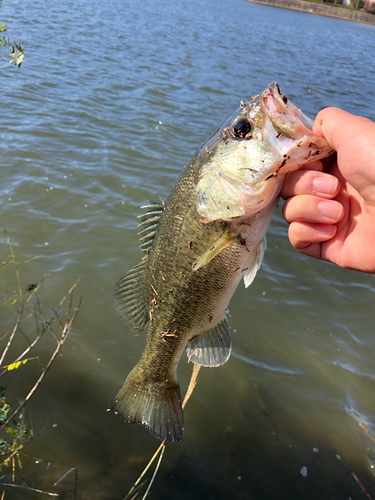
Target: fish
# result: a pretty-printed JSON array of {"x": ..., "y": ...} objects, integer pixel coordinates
[{"x": 198, "y": 245}]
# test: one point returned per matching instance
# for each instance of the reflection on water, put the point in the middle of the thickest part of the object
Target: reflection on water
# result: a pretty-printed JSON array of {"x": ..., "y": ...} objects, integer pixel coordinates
[{"x": 109, "y": 105}]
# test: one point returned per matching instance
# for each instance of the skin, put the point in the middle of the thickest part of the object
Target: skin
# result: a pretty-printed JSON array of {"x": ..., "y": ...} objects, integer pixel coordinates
[{"x": 330, "y": 205}]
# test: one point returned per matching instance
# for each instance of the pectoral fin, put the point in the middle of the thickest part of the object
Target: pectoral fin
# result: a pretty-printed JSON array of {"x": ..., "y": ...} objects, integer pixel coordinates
[
  {"x": 222, "y": 242},
  {"x": 213, "y": 347},
  {"x": 255, "y": 262}
]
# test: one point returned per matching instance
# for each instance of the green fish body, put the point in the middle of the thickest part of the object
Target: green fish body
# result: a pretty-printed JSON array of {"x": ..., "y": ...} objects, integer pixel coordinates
[{"x": 198, "y": 245}]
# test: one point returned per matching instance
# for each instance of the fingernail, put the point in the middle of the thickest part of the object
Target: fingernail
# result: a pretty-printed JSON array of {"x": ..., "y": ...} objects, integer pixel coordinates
[
  {"x": 330, "y": 209},
  {"x": 325, "y": 184},
  {"x": 327, "y": 231}
]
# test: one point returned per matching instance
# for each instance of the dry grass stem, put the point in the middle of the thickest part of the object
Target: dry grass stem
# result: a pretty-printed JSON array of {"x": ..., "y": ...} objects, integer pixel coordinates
[
  {"x": 138, "y": 485},
  {"x": 155, "y": 472},
  {"x": 30, "y": 489}
]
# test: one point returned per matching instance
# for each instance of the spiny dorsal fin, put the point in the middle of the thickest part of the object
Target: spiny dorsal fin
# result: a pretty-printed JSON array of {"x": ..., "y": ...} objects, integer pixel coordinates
[
  {"x": 255, "y": 262},
  {"x": 128, "y": 295},
  {"x": 150, "y": 220},
  {"x": 213, "y": 347}
]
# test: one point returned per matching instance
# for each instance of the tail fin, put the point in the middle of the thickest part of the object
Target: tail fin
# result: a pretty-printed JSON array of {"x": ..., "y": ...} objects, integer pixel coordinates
[{"x": 155, "y": 405}]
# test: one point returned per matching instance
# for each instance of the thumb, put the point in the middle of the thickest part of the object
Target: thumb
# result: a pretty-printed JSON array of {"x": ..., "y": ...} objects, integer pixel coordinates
[
  {"x": 339, "y": 127},
  {"x": 353, "y": 137}
]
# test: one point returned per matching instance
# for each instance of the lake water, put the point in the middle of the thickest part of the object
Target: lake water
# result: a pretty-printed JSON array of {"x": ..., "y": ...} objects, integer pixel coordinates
[{"x": 112, "y": 100}]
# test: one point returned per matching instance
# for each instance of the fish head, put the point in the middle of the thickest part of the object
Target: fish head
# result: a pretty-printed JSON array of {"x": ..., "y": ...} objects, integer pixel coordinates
[{"x": 244, "y": 162}]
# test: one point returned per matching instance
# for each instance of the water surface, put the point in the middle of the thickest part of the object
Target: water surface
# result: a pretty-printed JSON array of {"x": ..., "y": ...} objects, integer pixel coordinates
[{"x": 111, "y": 102}]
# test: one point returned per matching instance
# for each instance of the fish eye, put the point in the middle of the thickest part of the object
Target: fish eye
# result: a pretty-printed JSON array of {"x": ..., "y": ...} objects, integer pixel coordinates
[{"x": 242, "y": 128}]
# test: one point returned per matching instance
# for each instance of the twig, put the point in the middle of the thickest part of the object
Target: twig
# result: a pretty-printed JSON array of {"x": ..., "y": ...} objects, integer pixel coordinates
[
  {"x": 361, "y": 486},
  {"x": 30, "y": 489},
  {"x": 60, "y": 342},
  {"x": 75, "y": 484},
  {"x": 68, "y": 292},
  {"x": 34, "y": 342},
  {"x": 192, "y": 384},
  {"x": 13, "y": 257},
  {"x": 62, "y": 477},
  {"x": 5, "y": 335},
  {"x": 28, "y": 260},
  {"x": 11, "y": 336},
  {"x": 366, "y": 430}
]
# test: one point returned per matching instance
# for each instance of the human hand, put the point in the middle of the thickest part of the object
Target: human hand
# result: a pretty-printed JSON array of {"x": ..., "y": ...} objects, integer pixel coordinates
[{"x": 332, "y": 212}]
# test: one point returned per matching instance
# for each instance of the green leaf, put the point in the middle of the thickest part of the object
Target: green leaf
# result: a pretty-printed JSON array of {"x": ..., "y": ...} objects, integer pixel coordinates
[
  {"x": 16, "y": 50},
  {"x": 11, "y": 431},
  {"x": 4, "y": 445}
]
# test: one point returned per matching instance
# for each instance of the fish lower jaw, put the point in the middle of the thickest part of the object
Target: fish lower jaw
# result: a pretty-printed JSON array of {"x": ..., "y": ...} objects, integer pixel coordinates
[{"x": 251, "y": 205}]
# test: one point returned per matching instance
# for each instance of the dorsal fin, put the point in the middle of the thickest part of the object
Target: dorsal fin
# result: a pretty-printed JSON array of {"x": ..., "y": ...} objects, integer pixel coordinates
[
  {"x": 128, "y": 292},
  {"x": 213, "y": 347},
  {"x": 130, "y": 303},
  {"x": 150, "y": 220}
]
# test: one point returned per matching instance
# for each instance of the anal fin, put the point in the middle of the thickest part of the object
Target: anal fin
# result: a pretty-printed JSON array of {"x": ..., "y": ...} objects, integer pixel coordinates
[{"x": 213, "y": 347}]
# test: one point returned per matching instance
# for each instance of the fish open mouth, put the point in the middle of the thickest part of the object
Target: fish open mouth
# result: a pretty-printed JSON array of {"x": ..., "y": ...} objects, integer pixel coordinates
[{"x": 286, "y": 118}]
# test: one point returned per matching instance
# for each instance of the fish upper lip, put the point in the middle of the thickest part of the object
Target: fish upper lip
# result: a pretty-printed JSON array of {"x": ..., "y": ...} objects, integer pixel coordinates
[{"x": 275, "y": 103}]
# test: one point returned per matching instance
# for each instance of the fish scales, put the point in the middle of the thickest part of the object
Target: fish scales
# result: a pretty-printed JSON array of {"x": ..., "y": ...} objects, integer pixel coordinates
[{"x": 210, "y": 233}]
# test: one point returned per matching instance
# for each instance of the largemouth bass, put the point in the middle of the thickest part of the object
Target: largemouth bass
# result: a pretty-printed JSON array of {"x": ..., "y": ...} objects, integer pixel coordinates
[{"x": 198, "y": 245}]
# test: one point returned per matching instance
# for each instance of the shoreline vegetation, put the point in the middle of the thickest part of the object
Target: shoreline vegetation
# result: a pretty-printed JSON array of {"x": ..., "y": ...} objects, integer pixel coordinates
[{"x": 331, "y": 10}]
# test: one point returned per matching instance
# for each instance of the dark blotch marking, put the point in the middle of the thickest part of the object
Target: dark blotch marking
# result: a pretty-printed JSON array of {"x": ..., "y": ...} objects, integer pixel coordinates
[{"x": 283, "y": 163}]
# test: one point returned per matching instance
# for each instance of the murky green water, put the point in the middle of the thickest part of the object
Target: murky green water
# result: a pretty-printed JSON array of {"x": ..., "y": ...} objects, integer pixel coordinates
[{"x": 111, "y": 102}]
